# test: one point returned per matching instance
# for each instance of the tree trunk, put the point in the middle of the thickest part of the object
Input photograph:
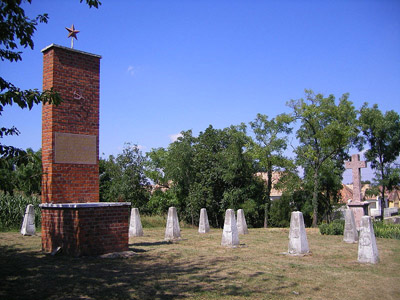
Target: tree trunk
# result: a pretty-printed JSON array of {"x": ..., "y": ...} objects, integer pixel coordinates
[
  {"x": 268, "y": 194},
  {"x": 383, "y": 191},
  {"x": 315, "y": 200},
  {"x": 383, "y": 203}
]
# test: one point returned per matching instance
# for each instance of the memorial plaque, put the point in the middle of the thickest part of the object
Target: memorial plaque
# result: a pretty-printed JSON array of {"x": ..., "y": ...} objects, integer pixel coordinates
[{"x": 75, "y": 148}]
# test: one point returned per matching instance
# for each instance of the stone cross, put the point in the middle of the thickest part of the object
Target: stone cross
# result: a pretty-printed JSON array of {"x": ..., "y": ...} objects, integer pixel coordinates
[{"x": 355, "y": 164}]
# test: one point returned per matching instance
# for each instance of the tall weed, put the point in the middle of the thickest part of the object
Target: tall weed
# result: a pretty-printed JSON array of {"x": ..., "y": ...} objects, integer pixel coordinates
[{"x": 12, "y": 209}]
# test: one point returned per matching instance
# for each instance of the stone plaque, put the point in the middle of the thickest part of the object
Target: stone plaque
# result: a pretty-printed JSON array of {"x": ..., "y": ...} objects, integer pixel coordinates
[{"x": 75, "y": 148}]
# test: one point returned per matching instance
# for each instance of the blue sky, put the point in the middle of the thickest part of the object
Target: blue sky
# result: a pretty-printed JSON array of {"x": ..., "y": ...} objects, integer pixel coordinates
[{"x": 169, "y": 66}]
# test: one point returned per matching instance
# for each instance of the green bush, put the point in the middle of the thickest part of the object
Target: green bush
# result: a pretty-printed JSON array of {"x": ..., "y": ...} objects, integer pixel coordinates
[
  {"x": 381, "y": 230},
  {"x": 12, "y": 209},
  {"x": 336, "y": 227},
  {"x": 387, "y": 231}
]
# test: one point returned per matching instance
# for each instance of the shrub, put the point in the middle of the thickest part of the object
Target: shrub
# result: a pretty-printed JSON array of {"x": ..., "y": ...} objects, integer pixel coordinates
[
  {"x": 381, "y": 230},
  {"x": 388, "y": 231},
  {"x": 336, "y": 227},
  {"x": 12, "y": 209}
]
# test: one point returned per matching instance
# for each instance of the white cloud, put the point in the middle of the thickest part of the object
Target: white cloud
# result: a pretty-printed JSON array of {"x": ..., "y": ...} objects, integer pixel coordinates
[
  {"x": 131, "y": 70},
  {"x": 174, "y": 137}
]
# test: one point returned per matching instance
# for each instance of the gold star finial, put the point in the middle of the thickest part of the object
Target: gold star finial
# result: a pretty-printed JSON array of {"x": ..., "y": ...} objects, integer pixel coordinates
[{"x": 72, "y": 34}]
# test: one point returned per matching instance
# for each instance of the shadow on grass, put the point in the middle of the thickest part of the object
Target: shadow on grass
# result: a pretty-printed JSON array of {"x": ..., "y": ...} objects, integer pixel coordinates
[
  {"x": 143, "y": 244},
  {"x": 31, "y": 274}
]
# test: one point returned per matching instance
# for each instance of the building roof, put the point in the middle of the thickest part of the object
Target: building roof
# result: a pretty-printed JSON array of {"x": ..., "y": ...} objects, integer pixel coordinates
[{"x": 346, "y": 193}]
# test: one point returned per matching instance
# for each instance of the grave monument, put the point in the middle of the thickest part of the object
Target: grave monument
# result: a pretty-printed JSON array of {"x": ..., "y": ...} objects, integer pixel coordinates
[
  {"x": 298, "y": 243},
  {"x": 359, "y": 208},
  {"x": 28, "y": 225},
  {"x": 367, "y": 249},
  {"x": 135, "y": 225},
  {"x": 241, "y": 222},
  {"x": 204, "y": 226},
  {"x": 72, "y": 216},
  {"x": 172, "y": 230},
  {"x": 230, "y": 235},
  {"x": 350, "y": 234}
]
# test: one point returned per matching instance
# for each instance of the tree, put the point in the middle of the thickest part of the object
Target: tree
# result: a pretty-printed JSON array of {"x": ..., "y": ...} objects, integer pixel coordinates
[
  {"x": 17, "y": 30},
  {"x": 22, "y": 173},
  {"x": 28, "y": 175},
  {"x": 123, "y": 178},
  {"x": 212, "y": 171},
  {"x": 330, "y": 175},
  {"x": 327, "y": 131},
  {"x": 381, "y": 133},
  {"x": 267, "y": 149}
]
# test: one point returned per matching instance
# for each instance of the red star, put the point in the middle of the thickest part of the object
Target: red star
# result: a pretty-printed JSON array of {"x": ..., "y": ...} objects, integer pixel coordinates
[{"x": 72, "y": 32}]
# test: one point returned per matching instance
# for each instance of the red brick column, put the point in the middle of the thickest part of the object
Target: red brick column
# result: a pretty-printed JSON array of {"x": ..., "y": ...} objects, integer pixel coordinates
[{"x": 70, "y": 131}]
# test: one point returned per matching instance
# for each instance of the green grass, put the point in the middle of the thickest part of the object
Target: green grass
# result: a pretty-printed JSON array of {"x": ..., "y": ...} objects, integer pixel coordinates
[
  {"x": 197, "y": 267},
  {"x": 158, "y": 221}
]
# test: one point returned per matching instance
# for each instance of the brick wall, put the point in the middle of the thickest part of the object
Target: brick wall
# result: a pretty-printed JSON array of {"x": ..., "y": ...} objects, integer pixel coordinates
[
  {"x": 76, "y": 76},
  {"x": 86, "y": 231}
]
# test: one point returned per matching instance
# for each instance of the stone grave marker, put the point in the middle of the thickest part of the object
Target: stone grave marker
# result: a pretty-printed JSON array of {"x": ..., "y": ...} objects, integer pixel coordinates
[
  {"x": 28, "y": 225},
  {"x": 204, "y": 226},
  {"x": 350, "y": 234},
  {"x": 359, "y": 207},
  {"x": 135, "y": 225},
  {"x": 367, "y": 249},
  {"x": 298, "y": 243},
  {"x": 230, "y": 235},
  {"x": 172, "y": 230},
  {"x": 241, "y": 222}
]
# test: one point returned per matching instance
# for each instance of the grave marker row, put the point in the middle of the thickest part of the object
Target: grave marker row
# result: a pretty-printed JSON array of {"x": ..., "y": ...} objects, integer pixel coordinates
[{"x": 298, "y": 243}]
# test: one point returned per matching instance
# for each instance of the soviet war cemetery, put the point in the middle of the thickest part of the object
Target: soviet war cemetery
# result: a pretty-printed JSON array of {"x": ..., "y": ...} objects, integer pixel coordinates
[{"x": 153, "y": 150}]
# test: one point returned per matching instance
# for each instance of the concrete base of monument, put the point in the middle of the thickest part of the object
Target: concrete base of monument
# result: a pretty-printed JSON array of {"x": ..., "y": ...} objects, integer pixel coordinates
[
  {"x": 85, "y": 229},
  {"x": 359, "y": 209}
]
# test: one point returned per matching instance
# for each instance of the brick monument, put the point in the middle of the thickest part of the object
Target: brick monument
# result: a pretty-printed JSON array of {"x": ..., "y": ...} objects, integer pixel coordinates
[
  {"x": 359, "y": 208},
  {"x": 72, "y": 216}
]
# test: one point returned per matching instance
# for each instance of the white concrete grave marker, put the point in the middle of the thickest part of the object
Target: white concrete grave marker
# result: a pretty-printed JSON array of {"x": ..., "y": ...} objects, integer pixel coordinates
[
  {"x": 135, "y": 225},
  {"x": 241, "y": 222},
  {"x": 350, "y": 234},
  {"x": 28, "y": 225},
  {"x": 367, "y": 249},
  {"x": 204, "y": 226},
  {"x": 172, "y": 230},
  {"x": 230, "y": 235},
  {"x": 298, "y": 244}
]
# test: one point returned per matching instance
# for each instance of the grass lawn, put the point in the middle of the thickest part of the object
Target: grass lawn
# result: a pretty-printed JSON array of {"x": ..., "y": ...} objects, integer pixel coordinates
[{"x": 197, "y": 267}]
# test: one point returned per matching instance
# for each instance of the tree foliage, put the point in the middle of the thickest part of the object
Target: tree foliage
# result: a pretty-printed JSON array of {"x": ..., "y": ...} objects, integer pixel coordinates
[
  {"x": 381, "y": 134},
  {"x": 22, "y": 173},
  {"x": 327, "y": 131},
  {"x": 16, "y": 31},
  {"x": 268, "y": 147},
  {"x": 123, "y": 178},
  {"x": 212, "y": 171}
]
